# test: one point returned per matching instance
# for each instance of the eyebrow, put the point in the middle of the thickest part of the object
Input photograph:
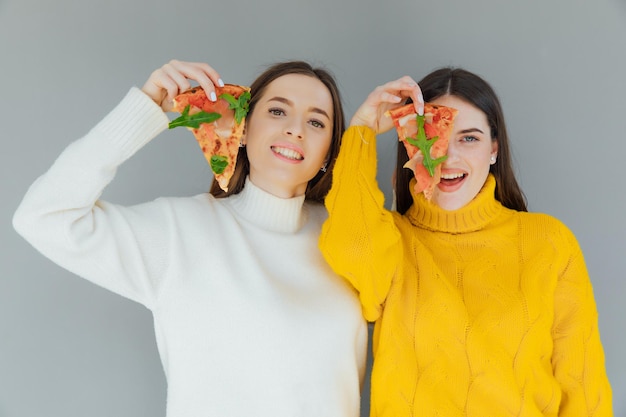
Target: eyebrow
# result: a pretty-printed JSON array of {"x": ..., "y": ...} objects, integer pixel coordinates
[
  {"x": 471, "y": 130},
  {"x": 290, "y": 103}
]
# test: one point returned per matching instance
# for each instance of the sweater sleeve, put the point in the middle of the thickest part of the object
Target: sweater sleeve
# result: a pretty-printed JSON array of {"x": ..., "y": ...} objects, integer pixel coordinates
[
  {"x": 578, "y": 356},
  {"x": 62, "y": 217},
  {"x": 359, "y": 239}
]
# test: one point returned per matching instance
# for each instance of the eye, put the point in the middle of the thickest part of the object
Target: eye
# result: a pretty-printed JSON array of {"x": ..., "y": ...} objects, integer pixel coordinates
[
  {"x": 276, "y": 111},
  {"x": 469, "y": 139},
  {"x": 317, "y": 123}
]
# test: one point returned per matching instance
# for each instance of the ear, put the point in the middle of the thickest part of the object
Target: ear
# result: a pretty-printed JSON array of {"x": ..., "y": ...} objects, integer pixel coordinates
[
  {"x": 494, "y": 148},
  {"x": 494, "y": 152}
]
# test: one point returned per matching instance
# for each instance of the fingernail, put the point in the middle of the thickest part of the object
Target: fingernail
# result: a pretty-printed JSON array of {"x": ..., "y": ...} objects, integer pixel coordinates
[
  {"x": 213, "y": 96},
  {"x": 220, "y": 82}
]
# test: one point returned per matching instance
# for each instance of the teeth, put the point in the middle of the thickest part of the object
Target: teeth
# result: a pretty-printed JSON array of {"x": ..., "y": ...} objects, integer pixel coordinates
[
  {"x": 452, "y": 176},
  {"x": 288, "y": 153}
]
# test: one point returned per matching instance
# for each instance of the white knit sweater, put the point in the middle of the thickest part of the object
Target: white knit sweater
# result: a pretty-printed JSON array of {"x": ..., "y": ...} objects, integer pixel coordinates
[{"x": 249, "y": 319}]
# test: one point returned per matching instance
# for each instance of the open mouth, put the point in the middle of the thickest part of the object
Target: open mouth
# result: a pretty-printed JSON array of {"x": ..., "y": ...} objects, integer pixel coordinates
[
  {"x": 452, "y": 178},
  {"x": 287, "y": 153}
]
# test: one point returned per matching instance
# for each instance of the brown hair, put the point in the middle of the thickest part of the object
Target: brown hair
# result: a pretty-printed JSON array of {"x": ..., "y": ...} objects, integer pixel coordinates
[
  {"x": 320, "y": 184},
  {"x": 476, "y": 91}
]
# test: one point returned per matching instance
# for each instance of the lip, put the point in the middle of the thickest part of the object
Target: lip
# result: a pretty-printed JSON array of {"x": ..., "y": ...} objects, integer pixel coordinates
[
  {"x": 457, "y": 180},
  {"x": 290, "y": 147}
]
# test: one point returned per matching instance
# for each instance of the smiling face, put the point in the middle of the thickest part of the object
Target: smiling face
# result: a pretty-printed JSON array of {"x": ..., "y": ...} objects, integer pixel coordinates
[
  {"x": 470, "y": 153},
  {"x": 289, "y": 134}
]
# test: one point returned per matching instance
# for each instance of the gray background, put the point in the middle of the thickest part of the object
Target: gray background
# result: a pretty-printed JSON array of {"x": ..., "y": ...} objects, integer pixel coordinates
[{"x": 68, "y": 348}]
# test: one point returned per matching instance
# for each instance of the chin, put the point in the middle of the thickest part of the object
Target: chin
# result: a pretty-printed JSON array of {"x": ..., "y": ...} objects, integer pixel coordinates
[{"x": 447, "y": 203}]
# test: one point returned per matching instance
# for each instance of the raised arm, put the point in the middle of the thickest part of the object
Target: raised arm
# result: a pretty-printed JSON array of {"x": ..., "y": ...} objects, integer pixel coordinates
[
  {"x": 360, "y": 240},
  {"x": 124, "y": 249}
]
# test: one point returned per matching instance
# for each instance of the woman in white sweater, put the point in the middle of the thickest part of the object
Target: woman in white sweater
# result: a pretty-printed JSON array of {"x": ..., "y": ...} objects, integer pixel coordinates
[{"x": 249, "y": 319}]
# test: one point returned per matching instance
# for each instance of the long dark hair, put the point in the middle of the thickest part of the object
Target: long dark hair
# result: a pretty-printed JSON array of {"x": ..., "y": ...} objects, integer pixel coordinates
[
  {"x": 320, "y": 184},
  {"x": 476, "y": 91}
]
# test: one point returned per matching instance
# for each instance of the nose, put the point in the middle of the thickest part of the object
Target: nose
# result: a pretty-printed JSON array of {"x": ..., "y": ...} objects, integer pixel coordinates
[
  {"x": 292, "y": 132},
  {"x": 295, "y": 130},
  {"x": 452, "y": 151}
]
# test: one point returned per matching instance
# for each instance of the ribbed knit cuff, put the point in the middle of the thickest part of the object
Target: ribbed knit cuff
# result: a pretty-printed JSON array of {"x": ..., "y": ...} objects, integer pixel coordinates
[{"x": 131, "y": 124}]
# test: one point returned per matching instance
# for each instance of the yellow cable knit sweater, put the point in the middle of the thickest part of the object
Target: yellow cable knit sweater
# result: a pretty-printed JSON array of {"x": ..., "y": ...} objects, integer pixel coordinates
[{"x": 480, "y": 312}]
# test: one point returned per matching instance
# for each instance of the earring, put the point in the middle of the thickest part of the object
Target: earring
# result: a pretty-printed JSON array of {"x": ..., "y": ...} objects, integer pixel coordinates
[
  {"x": 323, "y": 168},
  {"x": 242, "y": 145},
  {"x": 493, "y": 159}
]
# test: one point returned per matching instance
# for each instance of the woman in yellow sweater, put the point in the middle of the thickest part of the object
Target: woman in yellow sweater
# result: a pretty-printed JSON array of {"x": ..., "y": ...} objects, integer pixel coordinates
[{"x": 481, "y": 308}]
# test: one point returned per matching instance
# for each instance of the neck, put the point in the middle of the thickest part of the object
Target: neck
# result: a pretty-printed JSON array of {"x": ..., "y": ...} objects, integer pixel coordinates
[
  {"x": 267, "y": 210},
  {"x": 277, "y": 188},
  {"x": 471, "y": 217}
]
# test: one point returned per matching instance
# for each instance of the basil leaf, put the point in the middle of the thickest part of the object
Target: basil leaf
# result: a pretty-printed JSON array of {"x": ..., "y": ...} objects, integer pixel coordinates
[
  {"x": 218, "y": 163},
  {"x": 424, "y": 144},
  {"x": 240, "y": 105},
  {"x": 231, "y": 100},
  {"x": 194, "y": 120}
]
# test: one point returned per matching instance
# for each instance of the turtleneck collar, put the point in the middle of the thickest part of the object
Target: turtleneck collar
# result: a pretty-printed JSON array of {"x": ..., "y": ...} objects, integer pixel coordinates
[
  {"x": 265, "y": 210},
  {"x": 470, "y": 218}
]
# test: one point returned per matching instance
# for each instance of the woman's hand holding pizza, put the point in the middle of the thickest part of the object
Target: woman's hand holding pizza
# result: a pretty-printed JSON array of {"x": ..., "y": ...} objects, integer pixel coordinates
[
  {"x": 174, "y": 77},
  {"x": 384, "y": 98}
]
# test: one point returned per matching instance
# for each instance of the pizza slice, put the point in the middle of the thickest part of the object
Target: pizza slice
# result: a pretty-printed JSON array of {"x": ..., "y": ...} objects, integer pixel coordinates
[
  {"x": 217, "y": 125},
  {"x": 425, "y": 139}
]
